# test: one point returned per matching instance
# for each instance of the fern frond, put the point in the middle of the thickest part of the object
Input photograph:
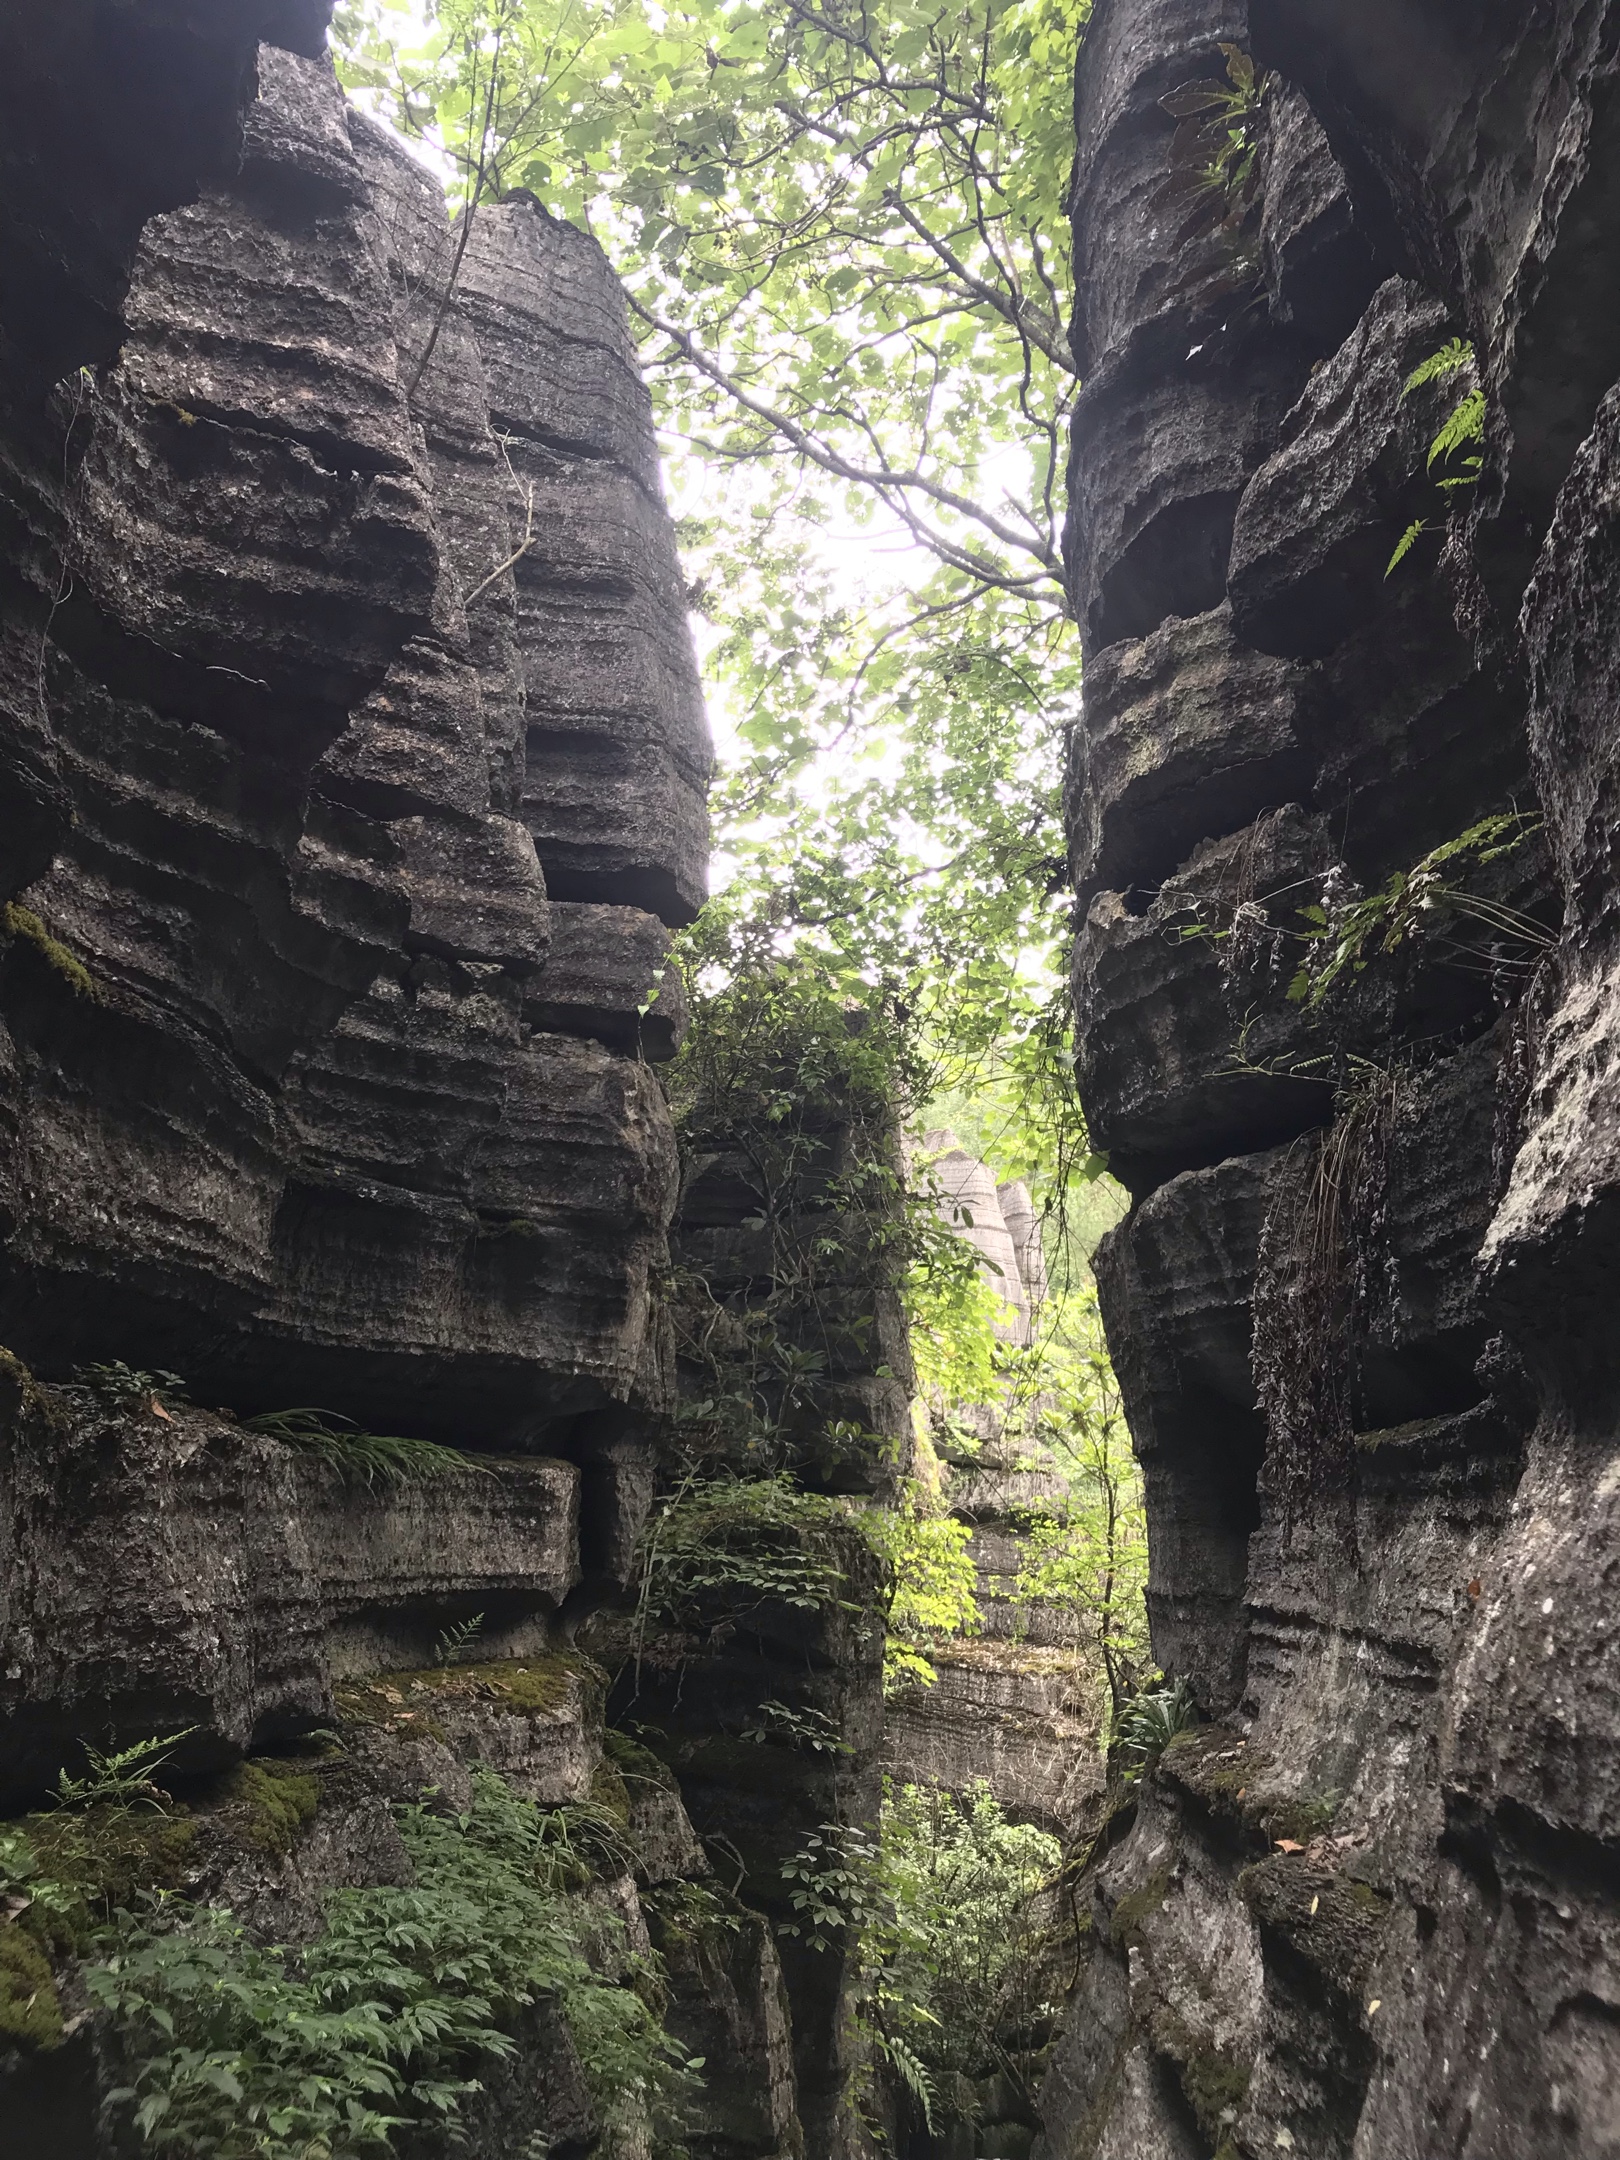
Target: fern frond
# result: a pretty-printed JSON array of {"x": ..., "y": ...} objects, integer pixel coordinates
[{"x": 1404, "y": 546}]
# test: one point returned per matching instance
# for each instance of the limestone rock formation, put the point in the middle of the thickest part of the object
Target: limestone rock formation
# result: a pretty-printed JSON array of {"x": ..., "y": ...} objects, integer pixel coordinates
[
  {"x": 352, "y": 773},
  {"x": 1365, "y": 1910}
]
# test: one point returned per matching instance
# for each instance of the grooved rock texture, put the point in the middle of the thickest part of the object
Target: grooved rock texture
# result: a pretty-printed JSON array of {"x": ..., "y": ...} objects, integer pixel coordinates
[
  {"x": 344, "y": 613},
  {"x": 1362, "y": 1307},
  {"x": 352, "y": 776}
]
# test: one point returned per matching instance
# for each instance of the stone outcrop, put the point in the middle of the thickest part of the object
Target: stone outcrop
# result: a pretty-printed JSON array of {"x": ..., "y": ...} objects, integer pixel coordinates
[
  {"x": 1366, "y": 1908},
  {"x": 352, "y": 775},
  {"x": 345, "y": 619}
]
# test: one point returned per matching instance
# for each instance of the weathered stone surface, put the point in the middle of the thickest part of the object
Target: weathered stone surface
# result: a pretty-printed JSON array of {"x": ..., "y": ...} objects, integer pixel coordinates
[
  {"x": 1021, "y": 1718},
  {"x": 169, "y": 1570},
  {"x": 1319, "y": 268},
  {"x": 1370, "y": 1915},
  {"x": 1189, "y": 1048},
  {"x": 304, "y": 1141},
  {"x": 1184, "y": 736},
  {"x": 1168, "y": 430},
  {"x": 1321, "y": 518}
]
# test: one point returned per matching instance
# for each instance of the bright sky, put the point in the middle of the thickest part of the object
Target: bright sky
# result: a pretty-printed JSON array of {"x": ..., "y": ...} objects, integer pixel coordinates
[{"x": 861, "y": 561}]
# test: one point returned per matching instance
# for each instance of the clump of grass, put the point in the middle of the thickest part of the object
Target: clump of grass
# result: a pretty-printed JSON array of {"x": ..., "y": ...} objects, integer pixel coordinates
[
  {"x": 21, "y": 922},
  {"x": 388, "y": 1460}
]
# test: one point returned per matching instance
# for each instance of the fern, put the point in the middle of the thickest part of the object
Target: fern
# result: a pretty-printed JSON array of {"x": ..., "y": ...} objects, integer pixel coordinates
[
  {"x": 459, "y": 1636},
  {"x": 913, "y": 2075},
  {"x": 1450, "y": 360},
  {"x": 122, "y": 1780},
  {"x": 367, "y": 1458},
  {"x": 1464, "y": 424},
  {"x": 1403, "y": 547}
]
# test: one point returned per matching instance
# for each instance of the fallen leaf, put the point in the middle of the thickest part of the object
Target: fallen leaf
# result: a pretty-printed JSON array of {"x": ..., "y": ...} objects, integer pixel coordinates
[
  {"x": 1315, "y": 1901},
  {"x": 1474, "y": 1587},
  {"x": 1374, "y": 2005},
  {"x": 1242, "y": 1789},
  {"x": 159, "y": 1411},
  {"x": 1288, "y": 1844}
]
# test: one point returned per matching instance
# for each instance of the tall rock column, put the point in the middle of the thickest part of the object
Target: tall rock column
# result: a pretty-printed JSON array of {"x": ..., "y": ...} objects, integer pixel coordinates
[{"x": 1364, "y": 1908}]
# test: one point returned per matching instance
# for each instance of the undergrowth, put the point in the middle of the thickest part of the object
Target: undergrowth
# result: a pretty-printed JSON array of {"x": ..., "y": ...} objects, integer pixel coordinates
[{"x": 383, "y": 2024}]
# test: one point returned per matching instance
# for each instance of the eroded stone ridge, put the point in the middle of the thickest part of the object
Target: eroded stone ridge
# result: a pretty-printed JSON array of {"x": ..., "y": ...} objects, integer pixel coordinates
[
  {"x": 345, "y": 636},
  {"x": 1360, "y": 1309}
]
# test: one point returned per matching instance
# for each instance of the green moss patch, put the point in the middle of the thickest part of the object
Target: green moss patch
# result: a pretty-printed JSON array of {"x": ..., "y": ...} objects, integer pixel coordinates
[
  {"x": 610, "y": 1793},
  {"x": 533, "y": 1687},
  {"x": 1133, "y": 1911},
  {"x": 1215, "y": 2083},
  {"x": 276, "y": 1802},
  {"x": 30, "y": 2008},
  {"x": 21, "y": 922},
  {"x": 109, "y": 1855},
  {"x": 636, "y": 1764}
]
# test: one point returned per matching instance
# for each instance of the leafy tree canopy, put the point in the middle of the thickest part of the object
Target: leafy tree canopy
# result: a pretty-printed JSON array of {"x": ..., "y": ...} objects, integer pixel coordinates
[{"x": 842, "y": 234}]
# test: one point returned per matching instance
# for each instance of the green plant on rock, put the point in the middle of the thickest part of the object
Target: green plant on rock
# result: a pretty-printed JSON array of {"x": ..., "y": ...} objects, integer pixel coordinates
[
  {"x": 1215, "y": 166},
  {"x": 121, "y": 1779},
  {"x": 1348, "y": 930},
  {"x": 21, "y": 922},
  {"x": 744, "y": 1542},
  {"x": 1462, "y": 428},
  {"x": 459, "y": 1637},
  {"x": 385, "y": 1461},
  {"x": 1149, "y": 1722},
  {"x": 129, "y": 1387},
  {"x": 380, "y": 2025}
]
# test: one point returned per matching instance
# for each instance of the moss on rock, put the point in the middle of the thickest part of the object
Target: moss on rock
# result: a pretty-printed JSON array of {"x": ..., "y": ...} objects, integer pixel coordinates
[
  {"x": 30, "y": 2008},
  {"x": 108, "y": 1855},
  {"x": 276, "y": 1801},
  {"x": 545, "y": 1686},
  {"x": 23, "y": 923},
  {"x": 1133, "y": 1911}
]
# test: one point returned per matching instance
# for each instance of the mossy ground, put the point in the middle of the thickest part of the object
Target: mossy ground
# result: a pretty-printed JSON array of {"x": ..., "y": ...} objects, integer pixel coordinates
[
  {"x": 108, "y": 1855},
  {"x": 30, "y": 2007},
  {"x": 548, "y": 1686}
]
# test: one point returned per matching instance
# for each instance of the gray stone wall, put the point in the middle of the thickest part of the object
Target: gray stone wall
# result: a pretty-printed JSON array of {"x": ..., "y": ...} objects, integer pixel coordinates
[{"x": 1368, "y": 1909}]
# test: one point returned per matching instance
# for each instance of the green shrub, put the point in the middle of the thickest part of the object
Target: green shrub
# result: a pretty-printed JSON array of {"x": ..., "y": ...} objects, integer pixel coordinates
[
  {"x": 748, "y": 1540},
  {"x": 240, "y": 2053},
  {"x": 945, "y": 1905},
  {"x": 1150, "y": 1721}
]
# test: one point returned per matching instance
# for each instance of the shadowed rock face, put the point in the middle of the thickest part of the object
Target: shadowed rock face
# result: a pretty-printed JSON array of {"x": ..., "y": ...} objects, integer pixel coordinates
[
  {"x": 1368, "y": 1912},
  {"x": 352, "y": 775},
  {"x": 345, "y": 634}
]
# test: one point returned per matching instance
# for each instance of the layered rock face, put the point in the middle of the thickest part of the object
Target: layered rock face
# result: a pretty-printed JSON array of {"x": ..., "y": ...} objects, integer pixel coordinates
[
  {"x": 357, "y": 764},
  {"x": 1016, "y": 1707},
  {"x": 352, "y": 767},
  {"x": 1359, "y": 1308}
]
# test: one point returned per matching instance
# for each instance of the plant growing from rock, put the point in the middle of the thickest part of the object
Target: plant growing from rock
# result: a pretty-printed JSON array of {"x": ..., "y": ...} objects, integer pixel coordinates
[
  {"x": 384, "y": 1461},
  {"x": 1149, "y": 1722},
  {"x": 379, "y": 2027}
]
